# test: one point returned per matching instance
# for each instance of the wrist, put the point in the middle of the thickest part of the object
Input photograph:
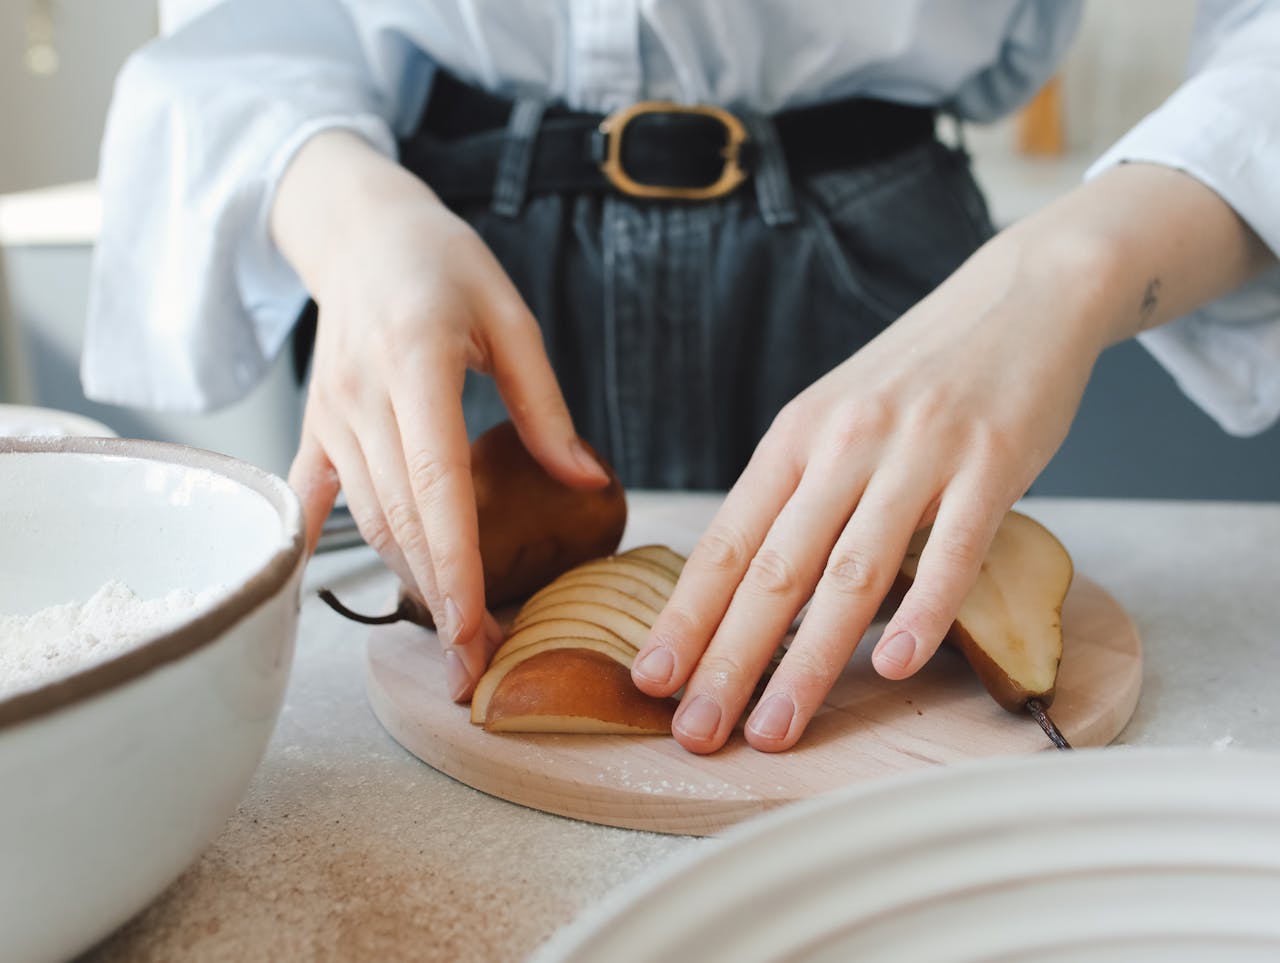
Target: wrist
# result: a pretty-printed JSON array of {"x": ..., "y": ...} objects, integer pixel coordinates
[
  {"x": 1137, "y": 246},
  {"x": 1099, "y": 270},
  {"x": 1064, "y": 284},
  {"x": 335, "y": 189}
]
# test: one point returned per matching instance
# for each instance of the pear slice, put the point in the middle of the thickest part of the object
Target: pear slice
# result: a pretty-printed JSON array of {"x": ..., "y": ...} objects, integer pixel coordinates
[
  {"x": 656, "y": 576},
  {"x": 638, "y": 565},
  {"x": 658, "y": 580},
  {"x": 500, "y": 667},
  {"x": 658, "y": 555},
  {"x": 574, "y": 690},
  {"x": 632, "y": 630},
  {"x": 603, "y": 595},
  {"x": 639, "y": 590},
  {"x": 558, "y": 628},
  {"x": 1009, "y": 626}
]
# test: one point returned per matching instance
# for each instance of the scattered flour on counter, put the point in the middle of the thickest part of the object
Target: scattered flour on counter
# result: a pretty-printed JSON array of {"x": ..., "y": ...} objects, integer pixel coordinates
[{"x": 63, "y": 639}]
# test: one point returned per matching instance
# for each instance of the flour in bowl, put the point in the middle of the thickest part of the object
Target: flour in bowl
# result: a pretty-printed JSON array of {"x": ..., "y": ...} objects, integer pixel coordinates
[{"x": 63, "y": 639}]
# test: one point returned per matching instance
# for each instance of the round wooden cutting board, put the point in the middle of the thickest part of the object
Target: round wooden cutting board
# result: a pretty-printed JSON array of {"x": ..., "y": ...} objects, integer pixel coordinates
[{"x": 867, "y": 727}]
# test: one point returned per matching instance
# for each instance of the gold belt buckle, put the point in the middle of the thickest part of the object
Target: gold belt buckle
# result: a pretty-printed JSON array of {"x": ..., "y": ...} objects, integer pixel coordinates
[{"x": 732, "y": 174}]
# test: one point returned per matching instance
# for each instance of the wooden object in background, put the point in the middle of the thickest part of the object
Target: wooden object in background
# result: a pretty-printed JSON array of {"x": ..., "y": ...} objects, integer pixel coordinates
[{"x": 1041, "y": 127}]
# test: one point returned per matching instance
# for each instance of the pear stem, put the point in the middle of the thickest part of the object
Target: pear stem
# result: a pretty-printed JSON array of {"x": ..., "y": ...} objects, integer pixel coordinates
[
  {"x": 1041, "y": 715},
  {"x": 332, "y": 601}
]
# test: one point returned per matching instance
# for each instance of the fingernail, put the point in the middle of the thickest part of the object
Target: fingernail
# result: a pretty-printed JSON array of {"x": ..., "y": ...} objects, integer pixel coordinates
[
  {"x": 772, "y": 718},
  {"x": 456, "y": 675},
  {"x": 452, "y": 622},
  {"x": 698, "y": 719},
  {"x": 896, "y": 653},
  {"x": 585, "y": 461},
  {"x": 656, "y": 666}
]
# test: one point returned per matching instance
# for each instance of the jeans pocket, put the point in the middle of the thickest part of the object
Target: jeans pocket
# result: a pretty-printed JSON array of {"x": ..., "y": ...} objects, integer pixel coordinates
[{"x": 893, "y": 231}]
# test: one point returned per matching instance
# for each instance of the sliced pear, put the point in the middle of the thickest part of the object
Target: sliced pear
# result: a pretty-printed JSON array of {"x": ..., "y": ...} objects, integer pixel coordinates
[
  {"x": 626, "y": 584},
  {"x": 567, "y": 665},
  {"x": 658, "y": 555},
  {"x": 1009, "y": 626},
  {"x": 574, "y": 690},
  {"x": 499, "y": 668},
  {"x": 657, "y": 579},
  {"x": 554, "y": 628},
  {"x": 492, "y": 680},
  {"x": 602, "y": 595},
  {"x": 656, "y": 576},
  {"x": 631, "y": 629}
]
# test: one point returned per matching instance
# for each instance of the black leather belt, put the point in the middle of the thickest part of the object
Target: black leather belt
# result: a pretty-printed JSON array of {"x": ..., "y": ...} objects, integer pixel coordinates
[{"x": 651, "y": 149}]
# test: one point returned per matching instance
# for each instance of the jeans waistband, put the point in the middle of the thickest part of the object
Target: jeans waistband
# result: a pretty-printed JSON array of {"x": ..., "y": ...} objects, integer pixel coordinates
[{"x": 473, "y": 146}]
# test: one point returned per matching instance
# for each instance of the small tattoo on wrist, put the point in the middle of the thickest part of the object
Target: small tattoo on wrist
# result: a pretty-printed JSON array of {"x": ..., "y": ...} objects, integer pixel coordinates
[{"x": 1150, "y": 301}]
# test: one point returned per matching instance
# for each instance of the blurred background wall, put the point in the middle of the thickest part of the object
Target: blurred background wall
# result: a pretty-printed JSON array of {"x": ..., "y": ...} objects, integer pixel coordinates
[
  {"x": 54, "y": 95},
  {"x": 58, "y": 60},
  {"x": 1136, "y": 435}
]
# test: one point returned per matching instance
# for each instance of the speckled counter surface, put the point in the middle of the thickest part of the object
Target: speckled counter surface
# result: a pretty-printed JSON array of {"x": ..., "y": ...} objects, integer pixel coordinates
[{"x": 346, "y": 847}]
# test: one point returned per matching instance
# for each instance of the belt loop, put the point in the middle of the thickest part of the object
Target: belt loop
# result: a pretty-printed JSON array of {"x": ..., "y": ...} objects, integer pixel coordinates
[
  {"x": 772, "y": 178},
  {"x": 512, "y": 180}
]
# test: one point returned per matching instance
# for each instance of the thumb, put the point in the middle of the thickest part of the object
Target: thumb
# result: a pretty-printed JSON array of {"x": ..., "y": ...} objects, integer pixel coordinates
[{"x": 314, "y": 479}]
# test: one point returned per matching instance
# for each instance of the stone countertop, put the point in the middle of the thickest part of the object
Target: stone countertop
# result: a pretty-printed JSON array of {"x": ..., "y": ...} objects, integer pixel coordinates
[{"x": 346, "y": 847}]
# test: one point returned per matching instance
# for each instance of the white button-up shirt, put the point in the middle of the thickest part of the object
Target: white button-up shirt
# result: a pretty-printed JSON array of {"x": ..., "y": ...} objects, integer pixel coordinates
[{"x": 190, "y": 300}]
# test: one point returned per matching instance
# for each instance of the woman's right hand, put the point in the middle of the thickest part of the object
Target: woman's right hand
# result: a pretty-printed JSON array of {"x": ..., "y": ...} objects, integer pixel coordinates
[{"x": 410, "y": 297}]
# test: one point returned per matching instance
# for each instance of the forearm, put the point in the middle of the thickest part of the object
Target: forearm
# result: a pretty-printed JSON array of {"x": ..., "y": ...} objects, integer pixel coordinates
[
  {"x": 336, "y": 185},
  {"x": 1150, "y": 242}
]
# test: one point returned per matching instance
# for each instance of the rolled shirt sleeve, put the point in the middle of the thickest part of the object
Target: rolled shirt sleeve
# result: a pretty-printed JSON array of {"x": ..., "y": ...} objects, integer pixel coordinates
[
  {"x": 190, "y": 300},
  {"x": 1222, "y": 126}
]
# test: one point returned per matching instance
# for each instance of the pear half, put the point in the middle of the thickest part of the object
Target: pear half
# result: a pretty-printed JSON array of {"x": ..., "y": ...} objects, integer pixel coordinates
[{"x": 1009, "y": 627}]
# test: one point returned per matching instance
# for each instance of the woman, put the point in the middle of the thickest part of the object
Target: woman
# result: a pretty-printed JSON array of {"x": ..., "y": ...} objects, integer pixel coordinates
[{"x": 838, "y": 336}]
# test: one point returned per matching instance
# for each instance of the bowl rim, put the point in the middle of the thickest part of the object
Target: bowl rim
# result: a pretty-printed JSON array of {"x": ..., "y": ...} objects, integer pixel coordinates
[{"x": 29, "y": 704}]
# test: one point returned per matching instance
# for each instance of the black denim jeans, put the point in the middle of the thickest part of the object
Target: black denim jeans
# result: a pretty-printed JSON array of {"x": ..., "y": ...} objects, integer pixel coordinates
[{"x": 679, "y": 330}]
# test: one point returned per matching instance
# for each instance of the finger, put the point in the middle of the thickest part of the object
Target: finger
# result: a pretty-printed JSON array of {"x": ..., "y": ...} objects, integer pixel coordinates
[
  {"x": 436, "y": 457},
  {"x": 314, "y": 480},
  {"x": 714, "y": 570},
  {"x": 382, "y": 463},
  {"x": 493, "y": 637},
  {"x": 384, "y": 510},
  {"x": 531, "y": 393},
  {"x": 967, "y": 520},
  {"x": 362, "y": 500},
  {"x": 776, "y": 585},
  {"x": 859, "y": 572}
]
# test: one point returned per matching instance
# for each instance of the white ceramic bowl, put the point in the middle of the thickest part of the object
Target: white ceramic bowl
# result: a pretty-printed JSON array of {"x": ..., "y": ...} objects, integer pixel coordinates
[
  {"x": 1100, "y": 855},
  {"x": 113, "y": 779}
]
